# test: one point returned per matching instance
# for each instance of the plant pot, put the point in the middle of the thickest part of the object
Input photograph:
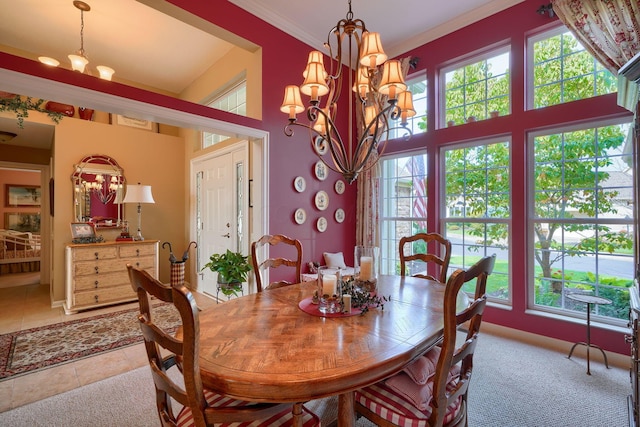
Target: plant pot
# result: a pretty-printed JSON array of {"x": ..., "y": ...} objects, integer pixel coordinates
[
  {"x": 56, "y": 107},
  {"x": 85, "y": 113},
  {"x": 229, "y": 288}
]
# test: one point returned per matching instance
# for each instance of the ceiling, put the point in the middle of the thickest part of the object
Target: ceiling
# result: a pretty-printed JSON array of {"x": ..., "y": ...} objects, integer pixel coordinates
[{"x": 125, "y": 34}]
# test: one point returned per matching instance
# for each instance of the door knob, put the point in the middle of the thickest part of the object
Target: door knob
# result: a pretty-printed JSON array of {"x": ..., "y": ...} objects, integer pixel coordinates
[{"x": 227, "y": 235}]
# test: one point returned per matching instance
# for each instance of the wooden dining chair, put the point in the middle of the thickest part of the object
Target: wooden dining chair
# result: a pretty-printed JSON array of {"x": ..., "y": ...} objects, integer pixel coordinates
[
  {"x": 261, "y": 265},
  {"x": 440, "y": 258},
  {"x": 433, "y": 390},
  {"x": 200, "y": 407}
]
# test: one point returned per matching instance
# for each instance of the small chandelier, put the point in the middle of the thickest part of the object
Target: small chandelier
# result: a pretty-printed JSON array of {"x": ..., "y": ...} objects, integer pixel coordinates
[
  {"x": 379, "y": 99},
  {"x": 104, "y": 188},
  {"x": 78, "y": 59}
]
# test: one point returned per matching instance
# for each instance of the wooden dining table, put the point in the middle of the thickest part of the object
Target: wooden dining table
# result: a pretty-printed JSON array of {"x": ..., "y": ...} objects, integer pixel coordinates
[{"x": 263, "y": 347}]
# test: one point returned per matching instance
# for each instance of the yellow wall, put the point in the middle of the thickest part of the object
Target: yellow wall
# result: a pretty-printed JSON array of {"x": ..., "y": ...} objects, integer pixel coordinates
[
  {"x": 229, "y": 67},
  {"x": 146, "y": 157}
]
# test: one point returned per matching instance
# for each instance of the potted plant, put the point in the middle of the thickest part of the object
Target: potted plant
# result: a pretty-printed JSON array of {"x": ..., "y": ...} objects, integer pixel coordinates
[{"x": 232, "y": 269}]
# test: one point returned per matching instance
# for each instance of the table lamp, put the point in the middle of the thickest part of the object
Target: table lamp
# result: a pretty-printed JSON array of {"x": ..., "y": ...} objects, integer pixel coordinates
[{"x": 138, "y": 194}]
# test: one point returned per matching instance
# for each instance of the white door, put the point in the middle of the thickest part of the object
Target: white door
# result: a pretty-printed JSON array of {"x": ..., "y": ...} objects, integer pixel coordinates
[{"x": 221, "y": 211}]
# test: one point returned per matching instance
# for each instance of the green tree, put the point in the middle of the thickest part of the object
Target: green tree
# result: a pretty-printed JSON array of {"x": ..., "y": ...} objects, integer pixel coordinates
[{"x": 570, "y": 167}]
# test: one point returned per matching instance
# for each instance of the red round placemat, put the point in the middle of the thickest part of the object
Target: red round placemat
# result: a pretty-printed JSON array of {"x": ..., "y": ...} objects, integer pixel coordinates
[{"x": 308, "y": 307}]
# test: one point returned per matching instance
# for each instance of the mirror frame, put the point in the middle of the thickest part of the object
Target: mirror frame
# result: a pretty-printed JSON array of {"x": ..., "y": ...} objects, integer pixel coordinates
[{"x": 106, "y": 190}]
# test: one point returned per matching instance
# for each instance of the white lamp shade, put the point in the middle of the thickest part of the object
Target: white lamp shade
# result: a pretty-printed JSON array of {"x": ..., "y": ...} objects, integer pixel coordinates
[
  {"x": 49, "y": 61},
  {"x": 314, "y": 84},
  {"x": 105, "y": 72},
  {"x": 371, "y": 53},
  {"x": 292, "y": 103},
  {"x": 392, "y": 81},
  {"x": 78, "y": 62},
  {"x": 138, "y": 194}
]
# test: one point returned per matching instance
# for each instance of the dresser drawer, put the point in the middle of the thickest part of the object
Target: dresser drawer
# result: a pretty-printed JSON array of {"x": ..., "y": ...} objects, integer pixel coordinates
[
  {"x": 136, "y": 250},
  {"x": 104, "y": 296},
  {"x": 100, "y": 281},
  {"x": 96, "y": 274},
  {"x": 98, "y": 267},
  {"x": 95, "y": 253},
  {"x": 145, "y": 263}
]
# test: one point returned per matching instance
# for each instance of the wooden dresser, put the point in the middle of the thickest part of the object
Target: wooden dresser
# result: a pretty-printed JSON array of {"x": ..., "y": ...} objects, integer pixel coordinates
[{"x": 96, "y": 273}]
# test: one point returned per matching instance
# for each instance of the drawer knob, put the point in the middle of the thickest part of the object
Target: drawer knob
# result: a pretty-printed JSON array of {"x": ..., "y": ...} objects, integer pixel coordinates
[
  {"x": 137, "y": 264},
  {"x": 96, "y": 283},
  {"x": 96, "y": 268},
  {"x": 96, "y": 254},
  {"x": 137, "y": 252},
  {"x": 96, "y": 297}
]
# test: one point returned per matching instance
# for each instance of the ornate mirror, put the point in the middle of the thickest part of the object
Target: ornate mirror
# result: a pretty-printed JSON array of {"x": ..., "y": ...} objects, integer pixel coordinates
[{"x": 98, "y": 190}]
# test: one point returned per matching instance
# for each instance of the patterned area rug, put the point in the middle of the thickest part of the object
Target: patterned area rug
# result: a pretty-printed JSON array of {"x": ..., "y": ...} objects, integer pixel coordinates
[{"x": 33, "y": 349}]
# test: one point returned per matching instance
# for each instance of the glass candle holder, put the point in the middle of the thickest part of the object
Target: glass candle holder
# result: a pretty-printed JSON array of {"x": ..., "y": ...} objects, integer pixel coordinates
[
  {"x": 366, "y": 261},
  {"x": 329, "y": 290}
]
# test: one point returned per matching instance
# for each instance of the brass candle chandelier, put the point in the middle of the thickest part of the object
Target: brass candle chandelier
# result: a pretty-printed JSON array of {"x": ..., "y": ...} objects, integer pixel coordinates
[{"x": 379, "y": 99}]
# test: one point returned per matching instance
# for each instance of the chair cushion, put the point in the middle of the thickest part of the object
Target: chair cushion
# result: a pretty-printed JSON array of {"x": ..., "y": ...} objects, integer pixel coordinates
[
  {"x": 419, "y": 395},
  {"x": 334, "y": 260},
  {"x": 397, "y": 407},
  {"x": 284, "y": 418},
  {"x": 424, "y": 367}
]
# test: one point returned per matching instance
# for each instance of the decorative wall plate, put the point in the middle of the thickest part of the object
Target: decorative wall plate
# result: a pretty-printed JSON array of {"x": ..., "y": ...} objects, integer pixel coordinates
[
  {"x": 320, "y": 145},
  {"x": 321, "y": 224},
  {"x": 322, "y": 200},
  {"x": 320, "y": 170},
  {"x": 339, "y": 186},
  {"x": 339, "y": 215},
  {"x": 299, "y": 184},
  {"x": 300, "y": 216}
]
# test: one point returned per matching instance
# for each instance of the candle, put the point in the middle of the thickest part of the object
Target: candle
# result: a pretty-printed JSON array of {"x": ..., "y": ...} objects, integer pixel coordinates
[
  {"x": 329, "y": 284},
  {"x": 365, "y": 268},
  {"x": 346, "y": 301}
]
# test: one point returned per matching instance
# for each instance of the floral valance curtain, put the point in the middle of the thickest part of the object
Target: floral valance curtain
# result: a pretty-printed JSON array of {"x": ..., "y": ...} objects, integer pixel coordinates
[{"x": 610, "y": 31}]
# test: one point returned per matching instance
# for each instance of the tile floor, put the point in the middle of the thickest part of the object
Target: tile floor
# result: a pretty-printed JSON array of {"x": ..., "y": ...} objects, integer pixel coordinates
[{"x": 24, "y": 304}]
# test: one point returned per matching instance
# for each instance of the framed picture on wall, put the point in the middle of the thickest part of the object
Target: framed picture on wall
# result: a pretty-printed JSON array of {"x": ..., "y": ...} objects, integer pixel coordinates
[
  {"x": 120, "y": 120},
  {"x": 19, "y": 196},
  {"x": 22, "y": 221}
]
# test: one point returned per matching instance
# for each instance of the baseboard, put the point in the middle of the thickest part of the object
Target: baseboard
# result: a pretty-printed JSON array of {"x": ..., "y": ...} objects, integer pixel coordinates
[{"x": 561, "y": 346}]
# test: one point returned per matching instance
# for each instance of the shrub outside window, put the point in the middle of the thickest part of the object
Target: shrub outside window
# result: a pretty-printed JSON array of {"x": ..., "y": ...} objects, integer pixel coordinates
[
  {"x": 478, "y": 89},
  {"x": 562, "y": 70},
  {"x": 582, "y": 222},
  {"x": 476, "y": 214}
]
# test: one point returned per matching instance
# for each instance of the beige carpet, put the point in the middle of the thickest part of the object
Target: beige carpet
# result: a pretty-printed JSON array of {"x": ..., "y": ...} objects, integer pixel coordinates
[{"x": 513, "y": 385}]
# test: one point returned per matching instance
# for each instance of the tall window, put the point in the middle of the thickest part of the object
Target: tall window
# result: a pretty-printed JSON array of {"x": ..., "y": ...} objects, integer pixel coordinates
[
  {"x": 582, "y": 223},
  {"x": 233, "y": 100},
  {"x": 417, "y": 84},
  {"x": 477, "y": 89},
  {"x": 404, "y": 205},
  {"x": 562, "y": 70},
  {"x": 476, "y": 213}
]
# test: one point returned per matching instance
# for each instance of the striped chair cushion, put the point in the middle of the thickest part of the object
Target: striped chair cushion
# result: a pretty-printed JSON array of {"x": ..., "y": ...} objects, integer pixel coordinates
[
  {"x": 284, "y": 418},
  {"x": 397, "y": 407},
  {"x": 422, "y": 369}
]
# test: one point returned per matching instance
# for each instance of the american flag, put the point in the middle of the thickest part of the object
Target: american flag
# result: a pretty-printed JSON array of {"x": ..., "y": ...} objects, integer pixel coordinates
[{"x": 420, "y": 188}]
